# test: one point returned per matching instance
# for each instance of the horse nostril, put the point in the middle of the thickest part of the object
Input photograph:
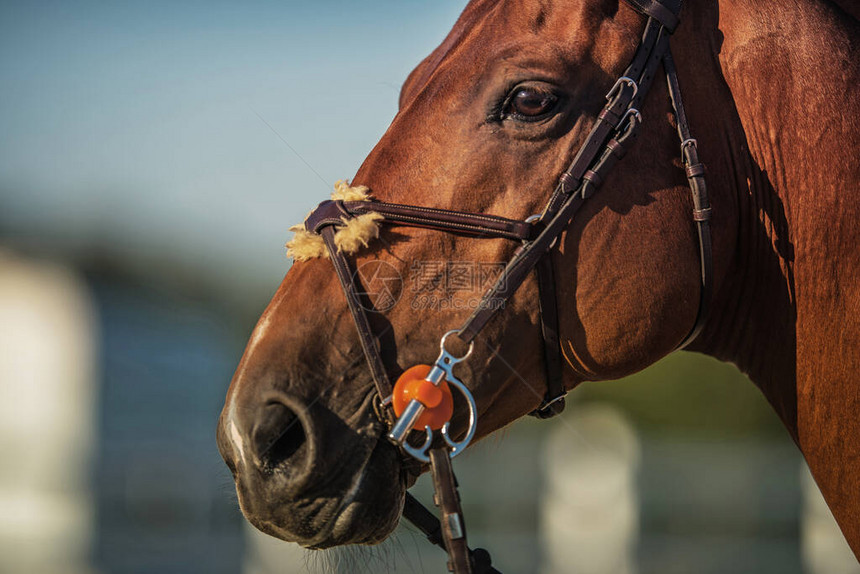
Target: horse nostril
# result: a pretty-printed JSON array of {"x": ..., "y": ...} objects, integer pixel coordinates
[{"x": 278, "y": 434}]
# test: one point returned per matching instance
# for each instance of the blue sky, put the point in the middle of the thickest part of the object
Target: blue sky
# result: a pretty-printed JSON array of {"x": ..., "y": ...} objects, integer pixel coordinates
[{"x": 141, "y": 128}]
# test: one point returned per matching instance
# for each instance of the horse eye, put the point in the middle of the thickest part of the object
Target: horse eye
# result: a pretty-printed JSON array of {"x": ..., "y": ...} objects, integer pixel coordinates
[{"x": 530, "y": 103}]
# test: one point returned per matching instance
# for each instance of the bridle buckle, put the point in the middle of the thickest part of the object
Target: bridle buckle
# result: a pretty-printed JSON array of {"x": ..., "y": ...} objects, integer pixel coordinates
[
  {"x": 616, "y": 87},
  {"x": 689, "y": 142},
  {"x": 631, "y": 113}
]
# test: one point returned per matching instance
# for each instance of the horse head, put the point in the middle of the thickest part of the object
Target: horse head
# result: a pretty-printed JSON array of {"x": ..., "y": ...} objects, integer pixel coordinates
[{"x": 486, "y": 124}]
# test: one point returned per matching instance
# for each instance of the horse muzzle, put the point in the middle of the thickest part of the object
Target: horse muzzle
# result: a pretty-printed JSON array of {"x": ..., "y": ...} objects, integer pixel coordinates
[{"x": 287, "y": 489}]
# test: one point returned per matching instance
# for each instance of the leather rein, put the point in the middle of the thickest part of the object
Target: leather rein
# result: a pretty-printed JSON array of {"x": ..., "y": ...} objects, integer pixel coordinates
[{"x": 611, "y": 135}]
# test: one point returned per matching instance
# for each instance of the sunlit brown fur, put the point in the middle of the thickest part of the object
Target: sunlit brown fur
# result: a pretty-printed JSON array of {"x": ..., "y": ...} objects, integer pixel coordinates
[{"x": 771, "y": 91}]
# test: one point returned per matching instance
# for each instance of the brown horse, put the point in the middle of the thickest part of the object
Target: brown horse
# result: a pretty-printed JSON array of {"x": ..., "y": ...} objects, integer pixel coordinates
[{"x": 486, "y": 124}]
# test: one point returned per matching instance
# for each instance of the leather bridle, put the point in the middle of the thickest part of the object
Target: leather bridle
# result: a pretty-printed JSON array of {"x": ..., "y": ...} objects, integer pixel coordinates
[{"x": 610, "y": 137}]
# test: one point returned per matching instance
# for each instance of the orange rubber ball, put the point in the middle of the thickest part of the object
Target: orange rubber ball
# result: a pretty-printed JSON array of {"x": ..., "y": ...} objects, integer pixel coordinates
[{"x": 438, "y": 402}]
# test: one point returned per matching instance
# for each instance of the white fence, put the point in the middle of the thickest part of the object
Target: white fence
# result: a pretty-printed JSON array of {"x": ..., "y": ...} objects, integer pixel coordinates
[{"x": 47, "y": 398}]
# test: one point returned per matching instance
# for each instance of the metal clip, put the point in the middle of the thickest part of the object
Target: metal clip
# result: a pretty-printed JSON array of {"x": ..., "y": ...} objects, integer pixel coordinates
[{"x": 442, "y": 369}]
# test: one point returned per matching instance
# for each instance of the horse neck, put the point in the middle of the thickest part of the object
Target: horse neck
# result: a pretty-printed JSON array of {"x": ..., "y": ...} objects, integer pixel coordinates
[
  {"x": 782, "y": 132},
  {"x": 756, "y": 133}
]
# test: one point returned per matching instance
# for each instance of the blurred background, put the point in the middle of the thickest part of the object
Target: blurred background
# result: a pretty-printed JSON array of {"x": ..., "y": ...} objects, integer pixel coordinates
[{"x": 152, "y": 157}]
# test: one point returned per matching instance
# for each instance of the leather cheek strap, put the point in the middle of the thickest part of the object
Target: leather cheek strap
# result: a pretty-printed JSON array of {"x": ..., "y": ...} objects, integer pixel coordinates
[
  {"x": 666, "y": 16},
  {"x": 346, "y": 274}
]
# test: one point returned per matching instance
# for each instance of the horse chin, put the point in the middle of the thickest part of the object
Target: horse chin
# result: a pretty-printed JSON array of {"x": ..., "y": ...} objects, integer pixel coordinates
[
  {"x": 370, "y": 510},
  {"x": 366, "y": 511}
]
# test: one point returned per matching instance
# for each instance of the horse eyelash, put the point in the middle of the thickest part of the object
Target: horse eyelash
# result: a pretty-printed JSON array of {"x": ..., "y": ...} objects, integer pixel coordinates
[{"x": 496, "y": 112}]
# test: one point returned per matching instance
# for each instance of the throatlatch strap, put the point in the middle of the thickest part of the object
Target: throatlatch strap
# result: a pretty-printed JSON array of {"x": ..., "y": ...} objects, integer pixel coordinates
[
  {"x": 701, "y": 204},
  {"x": 553, "y": 400}
]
